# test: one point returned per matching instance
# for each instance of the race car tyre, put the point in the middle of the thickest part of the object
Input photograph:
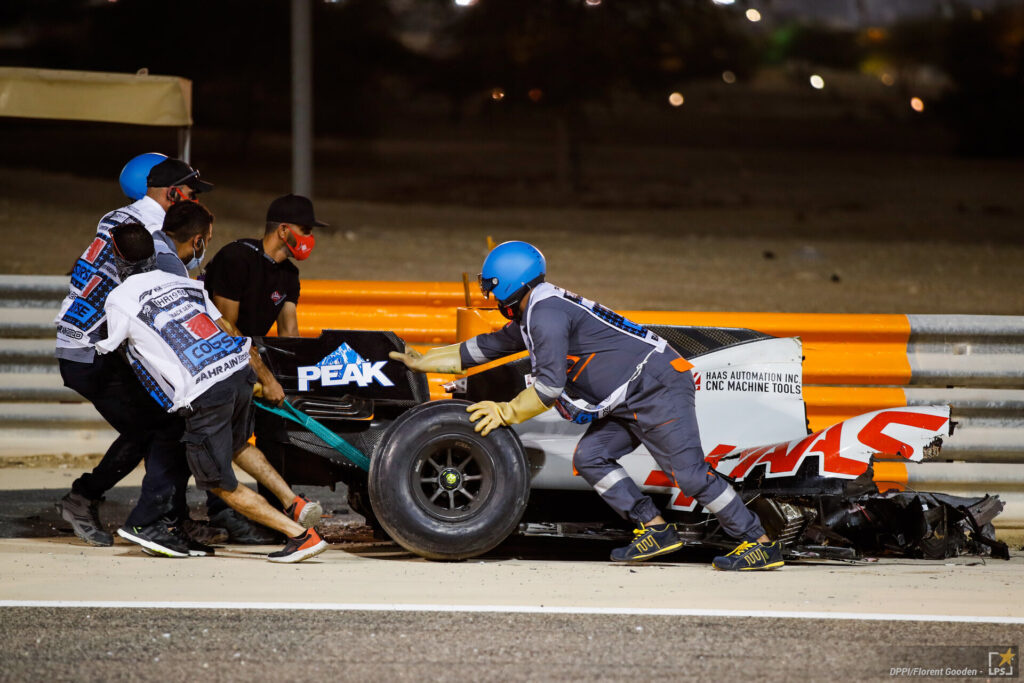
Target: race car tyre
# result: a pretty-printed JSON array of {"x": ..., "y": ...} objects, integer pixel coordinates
[{"x": 441, "y": 490}]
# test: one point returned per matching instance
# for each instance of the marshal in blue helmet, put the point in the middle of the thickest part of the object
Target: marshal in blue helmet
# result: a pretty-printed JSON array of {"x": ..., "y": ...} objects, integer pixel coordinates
[{"x": 624, "y": 382}]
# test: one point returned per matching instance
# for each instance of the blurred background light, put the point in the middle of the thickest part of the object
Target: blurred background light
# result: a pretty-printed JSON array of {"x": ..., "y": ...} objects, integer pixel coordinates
[
  {"x": 497, "y": 94},
  {"x": 535, "y": 94},
  {"x": 676, "y": 99},
  {"x": 753, "y": 15},
  {"x": 917, "y": 104},
  {"x": 817, "y": 82},
  {"x": 729, "y": 77},
  {"x": 887, "y": 79}
]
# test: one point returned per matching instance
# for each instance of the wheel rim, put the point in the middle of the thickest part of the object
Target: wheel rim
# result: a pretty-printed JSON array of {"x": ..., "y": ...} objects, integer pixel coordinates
[{"x": 452, "y": 479}]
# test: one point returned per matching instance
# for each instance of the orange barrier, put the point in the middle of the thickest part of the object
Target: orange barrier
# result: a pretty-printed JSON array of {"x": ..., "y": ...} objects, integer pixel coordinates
[{"x": 861, "y": 356}]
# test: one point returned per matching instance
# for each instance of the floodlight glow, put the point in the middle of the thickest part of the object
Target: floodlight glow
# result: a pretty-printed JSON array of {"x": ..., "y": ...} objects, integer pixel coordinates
[
  {"x": 676, "y": 99},
  {"x": 465, "y": 3},
  {"x": 817, "y": 82},
  {"x": 723, "y": 2},
  {"x": 753, "y": 15}
]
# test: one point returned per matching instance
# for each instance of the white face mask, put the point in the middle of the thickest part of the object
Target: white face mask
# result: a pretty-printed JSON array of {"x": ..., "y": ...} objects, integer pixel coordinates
[{"x": 197, "y": 257}]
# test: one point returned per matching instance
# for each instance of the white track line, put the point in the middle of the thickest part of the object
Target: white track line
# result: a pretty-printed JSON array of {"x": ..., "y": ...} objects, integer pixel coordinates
[{"x": 513, "y": 609}]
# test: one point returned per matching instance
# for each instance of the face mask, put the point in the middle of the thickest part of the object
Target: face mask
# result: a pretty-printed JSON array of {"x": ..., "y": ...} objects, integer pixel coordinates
[
  {"x": 303, "y": 246},
  {"x": 197, "y": 256},
  {"x": 175, "y": 195},
  {"x": 125, "y": 269}
]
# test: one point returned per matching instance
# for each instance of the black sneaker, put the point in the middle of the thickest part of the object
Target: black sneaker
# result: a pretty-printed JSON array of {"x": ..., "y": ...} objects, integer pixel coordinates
[
  {"x": 241, "y": 530},
  {"x": 648, "y": 542},
  {"x": 83, "y": 514},
  {"x": 157, "y": 538},
  {"x": 299, "y": 548},
  {"x": 195, "y": 548},
  {"x": 749, "y": 556},
  {"x": 203, "y": 532}
]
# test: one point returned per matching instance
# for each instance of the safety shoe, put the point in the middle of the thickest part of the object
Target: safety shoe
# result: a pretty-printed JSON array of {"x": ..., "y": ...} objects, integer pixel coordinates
[
  {"x": 156, "y": 537},
  {"x": 648, "y": 542},
  {"x": 305, "y": 512},
  {"x": 750, "y": 556},
  {"x": 203, "y": 532},
  {"x": 83, "y": 514},
  {"x": 241, "y": 530},
  {"x": 299, "y": 548}
]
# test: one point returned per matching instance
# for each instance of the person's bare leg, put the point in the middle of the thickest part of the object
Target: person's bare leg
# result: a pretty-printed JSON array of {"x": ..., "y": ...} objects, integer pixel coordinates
[
  {"x": 255, "y": 507},
  {"x": 254, "y": 463}
]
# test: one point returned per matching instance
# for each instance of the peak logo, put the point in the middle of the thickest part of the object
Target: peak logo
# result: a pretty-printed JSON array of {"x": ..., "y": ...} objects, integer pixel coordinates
[{"x": 343, "y": 366}]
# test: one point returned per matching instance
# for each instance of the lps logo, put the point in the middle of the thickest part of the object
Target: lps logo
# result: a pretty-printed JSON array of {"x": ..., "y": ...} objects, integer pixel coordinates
[
  {"x": 1003, "y": 663},
  {"x": 343, "y": 366}
]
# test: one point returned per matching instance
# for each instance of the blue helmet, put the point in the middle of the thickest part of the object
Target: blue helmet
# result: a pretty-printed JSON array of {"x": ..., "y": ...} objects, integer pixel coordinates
[
  {"x": 509, "y": 271},
  {"x": 134, "y": 174}
]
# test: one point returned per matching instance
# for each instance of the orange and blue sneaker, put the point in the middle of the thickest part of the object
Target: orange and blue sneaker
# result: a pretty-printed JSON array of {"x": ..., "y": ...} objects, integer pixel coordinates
[
  {"x": 299, "y": 548},
  {"x": 750, "y": 556},
  {"x": 649, "y": 541},
  {"x": 305, "y": 512}
]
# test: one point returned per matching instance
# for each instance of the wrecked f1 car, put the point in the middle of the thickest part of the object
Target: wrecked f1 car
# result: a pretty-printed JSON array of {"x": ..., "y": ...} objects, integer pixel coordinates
[{"x": 442, "y": 491}]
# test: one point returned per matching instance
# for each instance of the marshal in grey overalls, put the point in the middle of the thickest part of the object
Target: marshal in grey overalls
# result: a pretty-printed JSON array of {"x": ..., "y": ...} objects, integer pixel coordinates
[{"x": 601, "y": 369}]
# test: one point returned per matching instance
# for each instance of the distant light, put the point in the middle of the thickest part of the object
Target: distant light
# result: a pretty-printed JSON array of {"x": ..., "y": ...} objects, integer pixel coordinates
[
  {"x": 977, "y": 14},
  {"x": 753, "y": 15},
  {"x": 593, "y": 3},
  {"x": 887, "y": 79},
  {"x": 729, "y": 77},
  {"x": 535, "y": 94},
  {"x": 465, "y": 3},
  {"x": 723, "y": 2},
  {"x": 917, "y": 104},
  {"x": 817, "y": 82},
  {"x": 676, "y": 99},
  {"x": 497, "y": 94}
]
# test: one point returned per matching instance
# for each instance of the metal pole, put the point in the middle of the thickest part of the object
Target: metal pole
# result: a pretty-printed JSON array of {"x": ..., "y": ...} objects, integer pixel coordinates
[
  {"x": 185, "y": 144},
  {"x": 302, "y": 97}
]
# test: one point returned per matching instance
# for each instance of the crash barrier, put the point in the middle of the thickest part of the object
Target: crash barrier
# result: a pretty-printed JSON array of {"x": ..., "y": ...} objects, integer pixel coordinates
[{"x": 853, "y": 363}]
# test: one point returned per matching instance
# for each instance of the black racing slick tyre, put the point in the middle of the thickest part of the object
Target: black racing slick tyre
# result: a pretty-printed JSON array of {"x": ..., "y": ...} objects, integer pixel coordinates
[{"x": 441, "y": 490}]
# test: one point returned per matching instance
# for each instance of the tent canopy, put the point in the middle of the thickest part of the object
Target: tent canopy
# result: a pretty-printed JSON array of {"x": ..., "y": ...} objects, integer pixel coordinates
[{"x": 96, "y": 96}]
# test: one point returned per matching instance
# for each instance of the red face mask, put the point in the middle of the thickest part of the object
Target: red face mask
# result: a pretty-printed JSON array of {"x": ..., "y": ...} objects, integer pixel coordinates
[
  {"x": 175, "y": 195},
  {"x": 303, "y": 246}
]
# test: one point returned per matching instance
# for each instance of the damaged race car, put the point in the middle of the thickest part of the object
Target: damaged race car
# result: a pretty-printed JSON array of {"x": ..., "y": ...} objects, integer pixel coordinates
[{"x": 417, "y": 470}]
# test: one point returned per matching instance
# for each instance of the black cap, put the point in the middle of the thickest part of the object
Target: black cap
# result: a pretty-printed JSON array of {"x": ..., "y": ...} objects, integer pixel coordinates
[
  {"x": 173, "y": 172},
  {"x": 294, "y": 209}
]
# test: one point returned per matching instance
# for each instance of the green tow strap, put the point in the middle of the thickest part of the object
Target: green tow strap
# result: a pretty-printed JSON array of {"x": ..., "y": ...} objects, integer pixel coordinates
[{"x": 290, "y": 412}]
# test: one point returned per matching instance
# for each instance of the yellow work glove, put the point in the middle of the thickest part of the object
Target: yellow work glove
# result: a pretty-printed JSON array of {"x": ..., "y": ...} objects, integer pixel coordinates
[
  {"x": 492, "y": 415},
  {"x": 444, "y": 359}
]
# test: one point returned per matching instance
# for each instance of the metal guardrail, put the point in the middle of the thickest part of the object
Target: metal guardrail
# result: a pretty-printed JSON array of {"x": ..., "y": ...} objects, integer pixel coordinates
[{"x": 853, "y": 363}]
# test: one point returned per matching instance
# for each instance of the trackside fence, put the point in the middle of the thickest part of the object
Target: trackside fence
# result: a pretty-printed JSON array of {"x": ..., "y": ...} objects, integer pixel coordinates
[{"x": 853, "y": 364}]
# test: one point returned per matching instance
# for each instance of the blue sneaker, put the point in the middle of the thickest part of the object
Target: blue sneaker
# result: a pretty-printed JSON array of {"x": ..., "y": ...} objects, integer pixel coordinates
[
  {"x": 749, "y": 556},
  {"x": 648, "y": 542}
]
